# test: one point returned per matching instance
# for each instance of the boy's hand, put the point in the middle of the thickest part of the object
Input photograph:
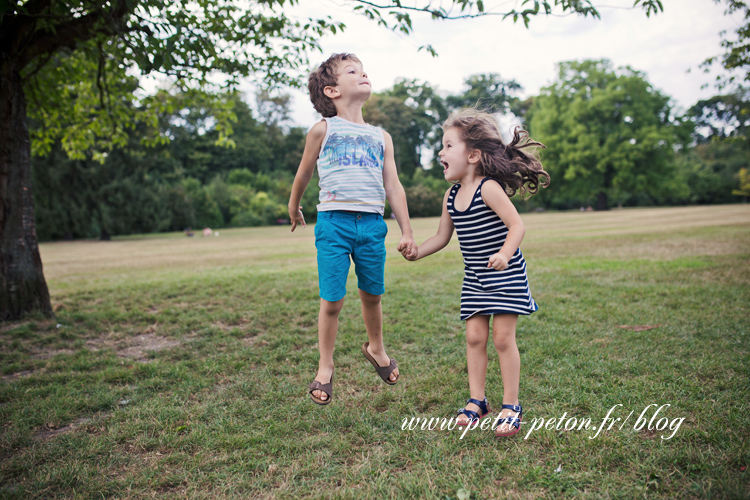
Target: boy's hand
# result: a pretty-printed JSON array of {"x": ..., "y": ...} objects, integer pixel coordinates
[
  {"x": 297, "y": 218},
  {"x": 498, "y": 261}
]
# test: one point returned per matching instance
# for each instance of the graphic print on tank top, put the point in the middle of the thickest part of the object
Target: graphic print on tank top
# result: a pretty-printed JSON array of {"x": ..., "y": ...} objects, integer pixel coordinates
[
  {"x": 344, "y": 150},
  {"x": 481, "y": 234},
  {"x": 350, "y": 165}
]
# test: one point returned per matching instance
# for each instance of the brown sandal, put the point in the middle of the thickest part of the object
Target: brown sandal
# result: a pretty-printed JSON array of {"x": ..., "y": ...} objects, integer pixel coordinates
[
  {"x": 383, "y": 371},
  {"x": 327, "y": 388}
]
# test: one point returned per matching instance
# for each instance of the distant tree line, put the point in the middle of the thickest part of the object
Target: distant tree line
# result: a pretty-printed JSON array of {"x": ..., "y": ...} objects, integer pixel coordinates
[{"x": 612, "y": 140}]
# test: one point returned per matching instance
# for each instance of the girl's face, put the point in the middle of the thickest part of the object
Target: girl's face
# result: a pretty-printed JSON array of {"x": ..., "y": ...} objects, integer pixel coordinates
[{"x": 456, "y": 158}]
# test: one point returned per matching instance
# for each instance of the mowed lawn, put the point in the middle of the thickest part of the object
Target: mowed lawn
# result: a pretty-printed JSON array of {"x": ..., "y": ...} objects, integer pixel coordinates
[{"x": 177, "y": 368}]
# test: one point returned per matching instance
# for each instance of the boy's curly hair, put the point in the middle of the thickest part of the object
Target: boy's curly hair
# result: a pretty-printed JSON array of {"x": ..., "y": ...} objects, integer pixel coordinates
[
  {"x": 325, "y": 76},
  {"x": 516, "y": 165}
]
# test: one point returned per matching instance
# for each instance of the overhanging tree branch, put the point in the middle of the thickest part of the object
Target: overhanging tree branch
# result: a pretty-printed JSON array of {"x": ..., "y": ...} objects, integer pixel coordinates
[{"x": 81, "y": 29}]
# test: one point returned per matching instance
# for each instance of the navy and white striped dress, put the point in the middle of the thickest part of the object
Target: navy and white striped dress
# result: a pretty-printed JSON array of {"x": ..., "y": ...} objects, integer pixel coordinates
[{"x": 481, "y": 233}]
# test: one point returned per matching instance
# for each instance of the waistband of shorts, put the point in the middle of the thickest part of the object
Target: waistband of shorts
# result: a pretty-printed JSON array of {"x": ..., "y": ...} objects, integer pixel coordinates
[{"x": 343, "y": 214}]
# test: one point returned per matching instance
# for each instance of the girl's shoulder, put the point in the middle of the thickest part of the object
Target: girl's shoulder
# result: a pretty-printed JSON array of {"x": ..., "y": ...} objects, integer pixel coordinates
[
  {"x": 497, "y": 182},
  {"x": 492, "y": 189},
  {"x": 493, "y": 185}
]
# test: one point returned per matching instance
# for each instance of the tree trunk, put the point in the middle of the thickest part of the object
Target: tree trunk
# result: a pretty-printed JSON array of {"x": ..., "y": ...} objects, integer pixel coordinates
[
  {"x": 602, "y": 202},
  {"x": 22, "y": 285}
]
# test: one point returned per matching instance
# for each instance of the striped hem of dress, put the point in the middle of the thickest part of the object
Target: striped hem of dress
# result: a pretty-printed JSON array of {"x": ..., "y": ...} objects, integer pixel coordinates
[{"x": 494, "y": 310}]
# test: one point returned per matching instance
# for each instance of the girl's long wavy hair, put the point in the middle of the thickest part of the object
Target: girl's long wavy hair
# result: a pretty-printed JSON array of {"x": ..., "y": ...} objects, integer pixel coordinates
[{"x": 516, "y": 164}]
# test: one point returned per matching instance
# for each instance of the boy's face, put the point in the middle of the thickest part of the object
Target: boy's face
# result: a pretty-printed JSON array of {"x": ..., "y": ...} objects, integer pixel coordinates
[{"x": 352, "y": 81}]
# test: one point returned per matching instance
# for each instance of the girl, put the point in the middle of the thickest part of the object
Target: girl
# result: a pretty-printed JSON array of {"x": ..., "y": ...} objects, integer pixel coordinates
[{"x": 486, "y": 172}]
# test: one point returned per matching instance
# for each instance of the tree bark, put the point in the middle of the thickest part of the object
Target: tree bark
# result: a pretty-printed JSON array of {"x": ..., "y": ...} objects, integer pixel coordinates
[
  {"x": 602, "y": 201},
  {"x": 22, "y": 285}
]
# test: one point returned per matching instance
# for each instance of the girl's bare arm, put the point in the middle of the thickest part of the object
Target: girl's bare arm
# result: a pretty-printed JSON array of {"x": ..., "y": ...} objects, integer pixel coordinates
[{"x": 442, "y": 237}]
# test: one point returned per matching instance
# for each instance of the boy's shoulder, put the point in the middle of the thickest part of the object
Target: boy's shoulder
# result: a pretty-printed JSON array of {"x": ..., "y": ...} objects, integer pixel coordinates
[
  {"x": 342, "y": 120},
  {"x": 319, "y": 129},
  {"x": 336, "y": 119}
]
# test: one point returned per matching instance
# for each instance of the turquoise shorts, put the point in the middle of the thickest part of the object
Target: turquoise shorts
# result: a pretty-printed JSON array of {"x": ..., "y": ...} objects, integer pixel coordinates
[{"x": 340, "y": 236}]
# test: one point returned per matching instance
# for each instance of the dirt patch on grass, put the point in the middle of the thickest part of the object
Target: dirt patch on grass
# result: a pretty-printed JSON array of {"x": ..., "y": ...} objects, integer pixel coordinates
[
  {"x": 254, "y": 340},
  {"x": 52, "y": 430},
  {"x": 136, "y": 348},
  {"x": 12, "y": 325},
  {"x": 49, "y": 353},
  {"x": 24, "y": 373}
]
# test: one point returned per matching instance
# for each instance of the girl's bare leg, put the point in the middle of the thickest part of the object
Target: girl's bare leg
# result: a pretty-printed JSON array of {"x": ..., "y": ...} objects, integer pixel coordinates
[
  {"x": 504, "y": 338},
  {"x": 477, "y": 333}
]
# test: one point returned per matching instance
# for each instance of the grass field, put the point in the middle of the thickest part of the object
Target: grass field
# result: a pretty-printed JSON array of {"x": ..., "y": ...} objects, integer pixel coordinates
[{"x": 177, "y": 368}]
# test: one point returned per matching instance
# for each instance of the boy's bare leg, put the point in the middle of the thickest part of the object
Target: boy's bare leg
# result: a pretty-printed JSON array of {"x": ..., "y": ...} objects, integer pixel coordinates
[
  {"x": 372, "y": 313},
  {"x": 328, "y": 326},
  {"x": 477, "y": 333}
]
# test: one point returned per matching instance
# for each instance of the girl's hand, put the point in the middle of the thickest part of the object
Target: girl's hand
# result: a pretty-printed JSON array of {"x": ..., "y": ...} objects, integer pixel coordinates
[
  {"x": 498, "y": 261},
  {"x": 411, "y": 253},
  {"x": 406, "y": 245}
]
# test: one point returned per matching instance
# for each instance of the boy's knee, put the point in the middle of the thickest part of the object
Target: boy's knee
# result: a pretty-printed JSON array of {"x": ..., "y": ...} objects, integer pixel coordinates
[
  {"x": 369, "y": 299},
  {"x": 331, "y": 308}
]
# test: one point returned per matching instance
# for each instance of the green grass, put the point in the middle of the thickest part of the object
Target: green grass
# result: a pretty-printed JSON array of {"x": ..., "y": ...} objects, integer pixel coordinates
[{"x": 177, "y": 368}]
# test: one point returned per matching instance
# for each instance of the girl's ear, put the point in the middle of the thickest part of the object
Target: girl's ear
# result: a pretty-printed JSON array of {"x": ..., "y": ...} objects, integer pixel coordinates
[{"x": 475, "y": 156}]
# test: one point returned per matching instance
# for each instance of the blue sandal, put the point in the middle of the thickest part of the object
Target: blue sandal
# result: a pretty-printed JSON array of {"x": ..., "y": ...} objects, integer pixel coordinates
[
  {"x": 484, "y": 407},
  {"x": 512, "y": 424}
]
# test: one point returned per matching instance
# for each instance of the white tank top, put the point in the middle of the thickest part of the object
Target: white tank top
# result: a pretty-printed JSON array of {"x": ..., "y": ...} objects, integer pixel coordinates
[{"x": 350, "y": 166}]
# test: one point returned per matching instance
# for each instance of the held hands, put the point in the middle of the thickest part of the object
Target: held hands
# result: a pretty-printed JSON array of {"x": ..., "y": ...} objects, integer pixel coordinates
[
  {"x": 412, "y": 254},
  {"x": 408, "y": 248},
  {"x": 295, "y": 215},
  {"x": 498, "y": 261}
]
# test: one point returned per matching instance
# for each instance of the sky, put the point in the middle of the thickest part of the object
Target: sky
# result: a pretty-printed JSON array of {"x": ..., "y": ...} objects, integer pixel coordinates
[{"x": 668, "y": 47}]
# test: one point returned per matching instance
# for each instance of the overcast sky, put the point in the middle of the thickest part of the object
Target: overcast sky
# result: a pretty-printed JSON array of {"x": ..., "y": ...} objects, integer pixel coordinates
[{"x": 665, "y": 47}]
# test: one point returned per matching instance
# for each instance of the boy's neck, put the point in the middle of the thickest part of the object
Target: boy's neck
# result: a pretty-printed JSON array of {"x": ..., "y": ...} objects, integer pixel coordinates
[{"x": 352, "y": 113}]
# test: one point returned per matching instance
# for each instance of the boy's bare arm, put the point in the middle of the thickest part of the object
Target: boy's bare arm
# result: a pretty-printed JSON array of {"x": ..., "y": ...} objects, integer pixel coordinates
[
  {"x": 313, "y": 142},
  {"x": 394, "y": 191}
]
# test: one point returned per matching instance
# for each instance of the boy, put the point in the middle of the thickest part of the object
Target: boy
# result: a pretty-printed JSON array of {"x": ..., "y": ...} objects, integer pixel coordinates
[{"x": 357, "y": 172}]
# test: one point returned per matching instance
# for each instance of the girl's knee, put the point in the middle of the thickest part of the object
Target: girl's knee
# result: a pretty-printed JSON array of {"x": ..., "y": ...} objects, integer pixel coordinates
[
  {"x": 504, "y": 341},
  {"x": 504, "y": 332},
  {"x": 503, "y": 345},
  {"x": 477, "y": 332},
  {"x": 476, "y": 339}
]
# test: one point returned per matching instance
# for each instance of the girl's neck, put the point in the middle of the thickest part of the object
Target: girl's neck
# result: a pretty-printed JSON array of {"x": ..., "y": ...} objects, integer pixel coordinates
[{"x": 470, "y": 179}]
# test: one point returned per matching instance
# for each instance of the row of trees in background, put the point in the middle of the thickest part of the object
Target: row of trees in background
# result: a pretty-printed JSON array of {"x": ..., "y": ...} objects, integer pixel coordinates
[
  {"x": 612, "y": 140},
  {"x": 190, "y": 181},
  {"x": 73, "y": 67}
]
